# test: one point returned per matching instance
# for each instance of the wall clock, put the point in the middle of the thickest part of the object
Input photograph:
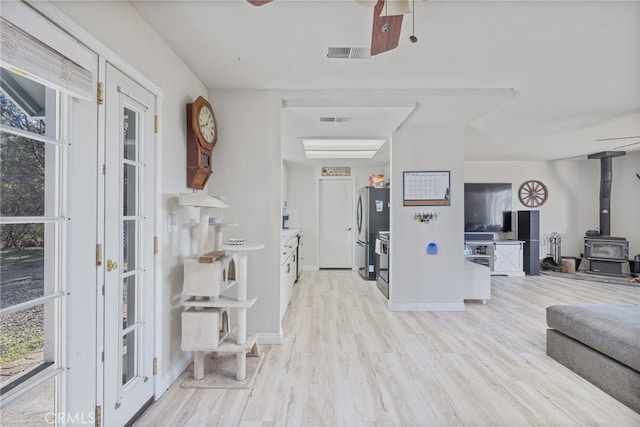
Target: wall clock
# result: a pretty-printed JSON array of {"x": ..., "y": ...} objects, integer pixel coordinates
[
  {"x": 202, "y": 135},
  {"x": 533, "y": 193},
  {"x": 202, "y": 121}
]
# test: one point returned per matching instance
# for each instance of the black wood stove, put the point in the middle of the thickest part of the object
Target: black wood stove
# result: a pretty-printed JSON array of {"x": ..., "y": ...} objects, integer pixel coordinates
[{"x": 606, "y": 254}]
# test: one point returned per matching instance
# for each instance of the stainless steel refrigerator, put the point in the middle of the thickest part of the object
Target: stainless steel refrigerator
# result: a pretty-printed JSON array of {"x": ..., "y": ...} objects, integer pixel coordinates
[{"x": 372, "y": 216}]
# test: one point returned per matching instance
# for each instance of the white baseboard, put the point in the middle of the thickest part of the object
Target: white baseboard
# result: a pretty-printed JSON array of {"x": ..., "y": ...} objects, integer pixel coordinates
[
  {"x": 269, "y": 338},
  {"x": 310, "y": 268},
  {"x": 169, "y": 378},
  {"x": 450, "y": 306}
]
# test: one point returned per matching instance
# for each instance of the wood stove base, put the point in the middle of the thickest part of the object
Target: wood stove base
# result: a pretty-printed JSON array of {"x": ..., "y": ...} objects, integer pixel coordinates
[{"x": 607, "y": 268}]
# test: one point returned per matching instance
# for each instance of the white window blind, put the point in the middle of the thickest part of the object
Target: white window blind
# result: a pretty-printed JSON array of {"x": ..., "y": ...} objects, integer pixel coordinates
[{"x": 61, "y": 62}]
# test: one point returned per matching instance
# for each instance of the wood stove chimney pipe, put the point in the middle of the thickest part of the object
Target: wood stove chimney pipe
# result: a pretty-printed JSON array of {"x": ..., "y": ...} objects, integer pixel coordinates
[{"x": 606, "y": 177}]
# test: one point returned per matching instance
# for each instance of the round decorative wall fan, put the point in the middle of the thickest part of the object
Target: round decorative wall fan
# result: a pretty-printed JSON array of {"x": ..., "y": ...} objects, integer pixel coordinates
[{"x": 533, "y": 193}]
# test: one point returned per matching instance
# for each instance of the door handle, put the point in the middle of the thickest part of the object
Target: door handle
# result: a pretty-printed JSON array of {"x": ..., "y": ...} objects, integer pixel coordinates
[
  {"x": 348, "y": 229},
  {"x": 111, "y": 265}
]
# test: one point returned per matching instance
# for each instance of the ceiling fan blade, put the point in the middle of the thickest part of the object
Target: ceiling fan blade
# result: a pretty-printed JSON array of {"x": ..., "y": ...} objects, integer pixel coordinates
[
  {"x": 385, "y": 34},
  {"x": 259, "y": 2},
  {"x": 626, "y": 145}
]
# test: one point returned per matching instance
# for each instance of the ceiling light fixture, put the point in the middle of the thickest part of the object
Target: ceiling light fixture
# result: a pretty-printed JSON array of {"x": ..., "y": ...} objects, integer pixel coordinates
[
  {"x": 336, "y": 119},
  {"x": 340, "y": 154},
  {"x": 342, "y": 144},
  {"x": 317, "y": 148}
]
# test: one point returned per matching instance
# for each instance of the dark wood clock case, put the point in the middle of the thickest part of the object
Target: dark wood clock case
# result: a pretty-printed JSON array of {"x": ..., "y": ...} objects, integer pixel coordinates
[{"x": 199, "y": 168}]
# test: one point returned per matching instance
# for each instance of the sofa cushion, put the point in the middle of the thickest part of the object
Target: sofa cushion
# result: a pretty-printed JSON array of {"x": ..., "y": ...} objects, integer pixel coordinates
[{"x": 613, "y": 330}]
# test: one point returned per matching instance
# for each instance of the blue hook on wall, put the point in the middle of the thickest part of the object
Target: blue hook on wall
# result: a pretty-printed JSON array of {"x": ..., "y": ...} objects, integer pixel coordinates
[{"x": 432, "y": 249}]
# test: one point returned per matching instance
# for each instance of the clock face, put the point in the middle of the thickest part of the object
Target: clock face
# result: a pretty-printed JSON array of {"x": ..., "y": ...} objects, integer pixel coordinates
[{"x": 207, "y": 124}]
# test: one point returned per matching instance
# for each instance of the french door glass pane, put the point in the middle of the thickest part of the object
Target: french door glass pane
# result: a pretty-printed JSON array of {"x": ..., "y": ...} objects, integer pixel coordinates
[
  {"x": 128, "y": 301},
  {"x": 130, "y": 225},
  {"x": 129, "y": 359},
  {"x": 130, "y": 130},
  {"x": 129, "y": 189},
  {"x": 129, "y": 243}
]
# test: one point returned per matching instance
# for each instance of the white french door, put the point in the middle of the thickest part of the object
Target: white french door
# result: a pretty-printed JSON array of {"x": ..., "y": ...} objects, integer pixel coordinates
[{"x": 129, "y": 197}]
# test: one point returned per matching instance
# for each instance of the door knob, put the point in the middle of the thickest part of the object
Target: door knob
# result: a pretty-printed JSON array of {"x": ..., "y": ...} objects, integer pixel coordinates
[
  {"x": 348, "y": 229},
  {"x": 111, "y": 265}
]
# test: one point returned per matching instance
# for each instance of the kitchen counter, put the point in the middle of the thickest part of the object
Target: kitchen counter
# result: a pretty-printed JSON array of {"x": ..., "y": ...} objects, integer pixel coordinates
[{"x": 490, "y": 242}]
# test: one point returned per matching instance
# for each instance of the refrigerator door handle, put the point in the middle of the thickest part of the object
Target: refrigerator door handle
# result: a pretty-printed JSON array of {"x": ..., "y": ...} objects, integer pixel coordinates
[{"x": 359, "y": 214}]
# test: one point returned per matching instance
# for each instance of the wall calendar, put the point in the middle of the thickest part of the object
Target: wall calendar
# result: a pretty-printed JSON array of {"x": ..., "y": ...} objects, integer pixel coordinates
[{"x": 422, "y": 188}]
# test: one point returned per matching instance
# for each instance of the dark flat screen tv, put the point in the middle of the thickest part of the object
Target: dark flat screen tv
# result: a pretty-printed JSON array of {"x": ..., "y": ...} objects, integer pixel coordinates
[{"x": 487, "y": 207}]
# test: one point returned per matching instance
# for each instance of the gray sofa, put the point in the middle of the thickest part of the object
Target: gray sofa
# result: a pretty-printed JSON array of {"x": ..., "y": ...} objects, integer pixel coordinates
[{"x": 601, "y": 343}]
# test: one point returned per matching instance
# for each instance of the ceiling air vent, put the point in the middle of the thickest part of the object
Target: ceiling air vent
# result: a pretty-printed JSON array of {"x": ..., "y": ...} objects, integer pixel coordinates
[
  {"x": 349, "y": 52},
  {"x": 336, "y": 119}
]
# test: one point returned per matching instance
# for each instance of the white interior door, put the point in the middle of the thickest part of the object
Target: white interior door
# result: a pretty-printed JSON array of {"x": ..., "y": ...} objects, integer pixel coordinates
[
  {"x": 336, "y": 223},
  {"x": 128, "y": 247}
]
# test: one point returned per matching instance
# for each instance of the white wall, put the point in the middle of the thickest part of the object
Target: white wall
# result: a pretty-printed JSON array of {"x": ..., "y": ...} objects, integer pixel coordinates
[
  {"x": 419, "y": 281},
  {"x": 625, "y": 200},
  {"x": 247, "y": 170},
  {"x": 140, "y": 46},
  {"x": 572, "y": 207}
]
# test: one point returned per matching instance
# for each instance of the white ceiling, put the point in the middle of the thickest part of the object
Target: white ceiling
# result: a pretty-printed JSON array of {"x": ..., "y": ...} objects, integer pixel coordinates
[{"x": 572, "y": 68}]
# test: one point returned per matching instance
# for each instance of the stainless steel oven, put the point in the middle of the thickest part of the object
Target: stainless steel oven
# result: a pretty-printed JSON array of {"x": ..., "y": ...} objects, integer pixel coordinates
[{"x": 382, "y": 266}]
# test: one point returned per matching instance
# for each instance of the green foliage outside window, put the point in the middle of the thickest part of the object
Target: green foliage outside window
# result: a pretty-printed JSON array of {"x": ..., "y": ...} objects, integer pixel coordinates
[{"x": 22, "y": 168}]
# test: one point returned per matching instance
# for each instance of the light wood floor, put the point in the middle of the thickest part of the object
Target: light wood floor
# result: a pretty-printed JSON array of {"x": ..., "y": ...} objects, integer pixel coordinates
[{"x": 347, "y": 360}]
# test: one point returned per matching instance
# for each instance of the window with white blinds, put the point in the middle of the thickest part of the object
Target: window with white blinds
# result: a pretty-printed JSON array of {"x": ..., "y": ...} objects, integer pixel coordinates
[
  {"x": 41, "y": 69},
  {"x": 33, "y": 47}
]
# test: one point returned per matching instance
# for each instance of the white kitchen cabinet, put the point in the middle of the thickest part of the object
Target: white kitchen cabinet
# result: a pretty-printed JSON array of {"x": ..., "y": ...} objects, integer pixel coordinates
[
  {"x": 288, "y": 270},
  {"x": 503, "y": 257},
  {"x": 508, "y": 258},
  {"x": 477, "y": 281},
  {"x": 480, "y": 252}
]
